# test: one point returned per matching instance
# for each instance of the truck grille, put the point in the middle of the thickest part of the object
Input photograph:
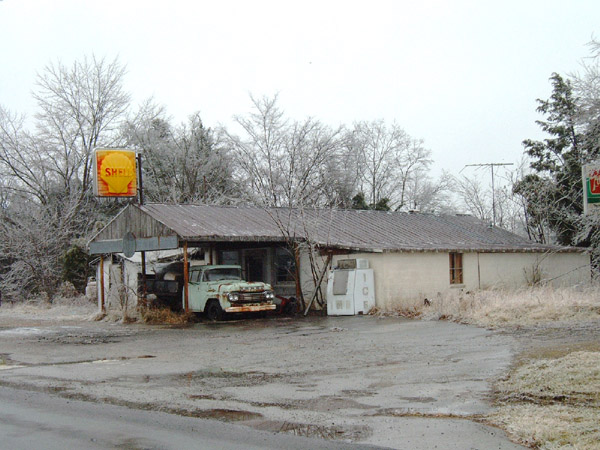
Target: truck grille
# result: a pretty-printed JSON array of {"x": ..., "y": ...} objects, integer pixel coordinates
[{"x": 251, "y": 297}]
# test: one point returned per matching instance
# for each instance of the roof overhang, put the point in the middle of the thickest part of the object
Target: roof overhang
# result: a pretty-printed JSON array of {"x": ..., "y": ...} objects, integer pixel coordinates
[{"x": 139, "y": 245}]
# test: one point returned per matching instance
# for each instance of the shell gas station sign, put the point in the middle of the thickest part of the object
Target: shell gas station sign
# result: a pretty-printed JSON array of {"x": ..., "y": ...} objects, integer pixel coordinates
[
  {"x": 591, "y": 187},
  {"x": 115, "y": 173}
]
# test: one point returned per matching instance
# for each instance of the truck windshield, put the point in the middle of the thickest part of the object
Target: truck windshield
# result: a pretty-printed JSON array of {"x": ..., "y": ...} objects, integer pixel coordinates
[{"x": 223, "y": 274}]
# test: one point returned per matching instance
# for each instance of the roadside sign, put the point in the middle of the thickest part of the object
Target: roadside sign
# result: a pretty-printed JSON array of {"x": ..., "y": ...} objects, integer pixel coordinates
[
  {"x": 115, "y": 173},
  {"x": 591, "y": 187}
]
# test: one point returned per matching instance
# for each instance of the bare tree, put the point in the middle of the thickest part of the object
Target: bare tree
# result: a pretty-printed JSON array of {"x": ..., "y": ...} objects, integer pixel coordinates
[
  {"x": 45, "y": 173},
  {"x": 23, "y": 165},
  {"x": 282, "y": 161},
  {"x": 81, "y": 107},
  {"x": 513, "y": 210},
  {"x": 389, "y": 161},
  {"x": 425, "y": 194},
  {"x": 182, "y": 163},
  {"x": 475, "y": 198},
  {"x": 289, "y": 167}
]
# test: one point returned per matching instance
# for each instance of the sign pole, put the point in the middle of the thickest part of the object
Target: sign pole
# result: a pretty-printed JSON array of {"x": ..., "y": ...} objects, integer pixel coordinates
[
  {"x": 143, "y": 253},
  {"x": 141, "y": 183}
]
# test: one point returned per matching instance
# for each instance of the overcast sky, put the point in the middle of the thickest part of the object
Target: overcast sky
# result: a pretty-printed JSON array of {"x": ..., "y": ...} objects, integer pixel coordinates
[{"x": 462, "y": 75}]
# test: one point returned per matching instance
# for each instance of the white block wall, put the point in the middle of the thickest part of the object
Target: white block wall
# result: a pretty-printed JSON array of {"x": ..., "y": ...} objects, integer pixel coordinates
[{"x": 408, "y": 276}]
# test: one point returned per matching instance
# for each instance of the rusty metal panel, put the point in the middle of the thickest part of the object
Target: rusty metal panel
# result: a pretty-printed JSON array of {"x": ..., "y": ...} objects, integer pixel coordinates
[{"x": 250, "y": 308}]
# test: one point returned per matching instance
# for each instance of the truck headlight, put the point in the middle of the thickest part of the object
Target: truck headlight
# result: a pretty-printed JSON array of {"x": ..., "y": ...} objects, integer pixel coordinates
[
  {"x": 233, "y": 297},
  {"x": 269, "y": 295}
]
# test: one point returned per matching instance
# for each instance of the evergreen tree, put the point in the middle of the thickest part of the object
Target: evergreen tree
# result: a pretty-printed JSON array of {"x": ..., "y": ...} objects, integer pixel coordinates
[{"x": 553, "y": 193}]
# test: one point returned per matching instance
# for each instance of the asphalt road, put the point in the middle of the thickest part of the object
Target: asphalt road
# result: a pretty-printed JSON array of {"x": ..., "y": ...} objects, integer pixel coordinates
[
  {"x": 388, "y": 382},
  {"x": 36, "y": 420}
]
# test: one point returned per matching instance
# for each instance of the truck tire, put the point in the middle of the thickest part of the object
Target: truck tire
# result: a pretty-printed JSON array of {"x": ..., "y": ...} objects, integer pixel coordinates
[
  {"x": 213, "y": 310},
  {"x": 290, "y": 308}
]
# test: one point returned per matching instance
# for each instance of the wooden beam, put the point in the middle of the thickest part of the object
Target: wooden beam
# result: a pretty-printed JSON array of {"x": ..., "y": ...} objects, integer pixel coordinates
[{"x": 102, "y": 304}]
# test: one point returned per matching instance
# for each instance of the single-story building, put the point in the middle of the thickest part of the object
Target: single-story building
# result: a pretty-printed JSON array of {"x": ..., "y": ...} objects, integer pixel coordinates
[{"x": 413, "y": 255}]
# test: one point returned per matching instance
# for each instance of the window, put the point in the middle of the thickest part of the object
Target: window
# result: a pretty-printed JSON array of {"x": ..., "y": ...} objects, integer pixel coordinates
[
  {"x": 285, "y": 265},
  {"x": 222, "y": 274},
  {"x": 195, "y": 276},
  {"x": 456, "y": 268},
  {"x": 229, "y": 257}
]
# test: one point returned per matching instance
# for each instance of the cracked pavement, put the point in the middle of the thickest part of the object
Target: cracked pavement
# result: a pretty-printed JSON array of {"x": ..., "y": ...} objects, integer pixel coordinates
[{"x": 385, "y": 381}]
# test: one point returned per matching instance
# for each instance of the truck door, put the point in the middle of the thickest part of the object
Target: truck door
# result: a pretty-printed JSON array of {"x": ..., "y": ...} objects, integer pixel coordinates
[{"x": 194, "y": 289}]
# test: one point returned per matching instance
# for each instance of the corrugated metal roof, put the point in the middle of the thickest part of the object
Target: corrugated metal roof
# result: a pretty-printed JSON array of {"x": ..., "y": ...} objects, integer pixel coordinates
[{"x": 350, "y": 229}]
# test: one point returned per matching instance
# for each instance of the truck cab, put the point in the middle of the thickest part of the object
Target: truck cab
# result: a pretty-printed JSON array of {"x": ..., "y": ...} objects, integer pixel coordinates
[{"x": 220, "y": 290}]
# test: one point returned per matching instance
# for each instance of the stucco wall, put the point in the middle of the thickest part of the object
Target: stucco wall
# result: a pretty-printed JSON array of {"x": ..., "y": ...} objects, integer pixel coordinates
[
  {"x": 515, "y": 269},
  {"x": 401, "y": 277}
]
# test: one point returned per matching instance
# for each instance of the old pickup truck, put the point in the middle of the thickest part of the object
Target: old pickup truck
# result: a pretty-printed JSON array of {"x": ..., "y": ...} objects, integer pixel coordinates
[{"x": 219, "y": 290}]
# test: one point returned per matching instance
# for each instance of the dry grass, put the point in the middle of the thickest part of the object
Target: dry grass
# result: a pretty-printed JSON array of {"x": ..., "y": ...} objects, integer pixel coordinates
[
  {"x": 61, "y": 308},
  {"x": 553, "y": 403},
  {"x": 496, "y": 308},
  {"x": 159, "y": 316}
]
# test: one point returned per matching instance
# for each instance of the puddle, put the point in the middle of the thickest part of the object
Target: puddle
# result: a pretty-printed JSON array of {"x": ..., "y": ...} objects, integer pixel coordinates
[
  {"x": 332, "y": 432},
  {"x": 25, "y": 331},
  {"x": 8, "y": 367},
  {"x": 419, "y": 399}
]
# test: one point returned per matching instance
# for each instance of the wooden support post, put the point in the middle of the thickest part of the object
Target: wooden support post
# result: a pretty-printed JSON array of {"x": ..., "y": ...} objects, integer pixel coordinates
[
  {"x": 102, "y": 304},
  {"x": 186, "y": 291},
  {"x": 317, "y": 287},
  {"x": 144, "y": 284},
  {"x": 299, "y": 293}
]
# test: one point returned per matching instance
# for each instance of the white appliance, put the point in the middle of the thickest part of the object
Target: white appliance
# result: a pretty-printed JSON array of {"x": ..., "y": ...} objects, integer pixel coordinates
[{"x": 350, "y": 288}]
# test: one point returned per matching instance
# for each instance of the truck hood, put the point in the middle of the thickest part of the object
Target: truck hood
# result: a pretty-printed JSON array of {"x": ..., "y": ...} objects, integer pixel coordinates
[{"x": 239, "y": 286}]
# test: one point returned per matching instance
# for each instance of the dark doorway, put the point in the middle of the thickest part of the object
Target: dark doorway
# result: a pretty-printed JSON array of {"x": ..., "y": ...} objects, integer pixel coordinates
[{"x": 255, "y": 264}]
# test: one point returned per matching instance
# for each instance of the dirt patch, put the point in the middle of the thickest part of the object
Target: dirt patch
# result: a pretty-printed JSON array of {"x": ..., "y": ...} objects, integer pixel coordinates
[
  {"x": 221, "y": 377},
  {"x": 226, "y": 415},
  {"x": 81, "y": 340},
  {"x": 394, "y": 412}
]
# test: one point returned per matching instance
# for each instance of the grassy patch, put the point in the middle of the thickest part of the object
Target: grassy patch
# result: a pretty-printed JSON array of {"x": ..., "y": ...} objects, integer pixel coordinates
[
  {"x": 552, "y": 403},
  {"x": 497, "y": 308}
]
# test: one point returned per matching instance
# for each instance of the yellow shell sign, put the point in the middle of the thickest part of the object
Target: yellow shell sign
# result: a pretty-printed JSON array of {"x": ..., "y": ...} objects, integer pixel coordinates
[{"x": 115, "y": 174}]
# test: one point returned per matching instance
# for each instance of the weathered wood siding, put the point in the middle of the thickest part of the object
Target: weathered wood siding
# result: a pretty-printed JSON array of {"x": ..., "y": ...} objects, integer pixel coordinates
[{"x": 133, "y": 220}]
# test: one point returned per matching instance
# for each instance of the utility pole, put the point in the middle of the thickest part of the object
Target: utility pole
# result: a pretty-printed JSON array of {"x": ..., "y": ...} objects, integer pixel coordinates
[{"x": 491, "y": 166}]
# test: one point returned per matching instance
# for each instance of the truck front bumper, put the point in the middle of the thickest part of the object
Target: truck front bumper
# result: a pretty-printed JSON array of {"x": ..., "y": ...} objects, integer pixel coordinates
[{"x": 250, "y": 308}]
